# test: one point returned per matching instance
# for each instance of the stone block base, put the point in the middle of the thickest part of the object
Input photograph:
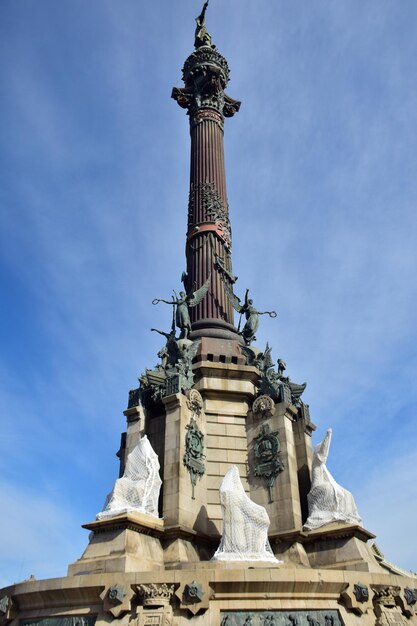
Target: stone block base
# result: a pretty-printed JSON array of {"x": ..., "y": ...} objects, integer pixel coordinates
[
  {"x": 124, "y": 543},
  {"x": 342, "y": 547},
  {"x": 214, "y": 594}
]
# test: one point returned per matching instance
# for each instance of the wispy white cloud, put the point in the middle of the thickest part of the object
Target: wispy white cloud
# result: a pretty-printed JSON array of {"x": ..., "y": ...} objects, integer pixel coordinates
[
  {"x": 42, "y": 535},
  {"x": 389, "y": 508}
]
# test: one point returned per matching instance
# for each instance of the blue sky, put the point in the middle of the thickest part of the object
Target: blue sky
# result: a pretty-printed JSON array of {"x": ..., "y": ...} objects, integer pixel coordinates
[{"x": 321, "y": 164}]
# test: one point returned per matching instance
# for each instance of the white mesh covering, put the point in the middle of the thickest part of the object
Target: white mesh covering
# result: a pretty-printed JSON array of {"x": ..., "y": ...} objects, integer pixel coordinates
[
  {"x": 245, "y": 524},
  {"x": 138, "y": 489},
  {"x": 327, "y": 501}
]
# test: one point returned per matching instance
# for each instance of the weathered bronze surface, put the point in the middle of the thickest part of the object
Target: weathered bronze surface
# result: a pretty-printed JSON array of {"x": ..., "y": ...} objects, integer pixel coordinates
[
  {"x": 268, "y": 464},
  {"x": 281, "y": 618},
  {"x": 209, "y": 241},
  {"x": 251, "y": 314},
  {"x": 202, "y": 36},
  {"x": 183, "y": 303},
  {"x": 361, "y": 592}
]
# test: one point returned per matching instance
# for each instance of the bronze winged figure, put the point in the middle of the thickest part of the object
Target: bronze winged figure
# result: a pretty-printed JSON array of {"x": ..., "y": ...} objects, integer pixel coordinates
[
  {"x": 183, "y": 302},
  {"x": 251, "y": 314}
]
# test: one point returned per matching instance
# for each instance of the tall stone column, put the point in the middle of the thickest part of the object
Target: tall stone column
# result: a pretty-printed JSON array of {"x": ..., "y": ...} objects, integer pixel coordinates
[{"x": 209, "y": 239}]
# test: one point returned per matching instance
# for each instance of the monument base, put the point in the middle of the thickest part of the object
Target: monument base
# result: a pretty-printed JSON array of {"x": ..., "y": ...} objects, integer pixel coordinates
[{"x": 233, "y": 594}]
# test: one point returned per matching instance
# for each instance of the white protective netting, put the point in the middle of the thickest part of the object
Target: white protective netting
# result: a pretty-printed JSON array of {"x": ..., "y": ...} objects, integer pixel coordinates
[
  {"x": 245, "y": 524},
  {"x": 138, "y": 489},
  {"x": 327, "y": 501}
]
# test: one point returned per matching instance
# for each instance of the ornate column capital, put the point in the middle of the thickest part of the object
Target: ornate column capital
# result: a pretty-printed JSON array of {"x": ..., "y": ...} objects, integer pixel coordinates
[{"x": 205, "y": 75}]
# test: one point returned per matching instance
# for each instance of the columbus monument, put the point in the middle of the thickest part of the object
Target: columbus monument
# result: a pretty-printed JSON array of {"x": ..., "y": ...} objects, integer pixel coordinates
[{"x": 223, "y": 513}]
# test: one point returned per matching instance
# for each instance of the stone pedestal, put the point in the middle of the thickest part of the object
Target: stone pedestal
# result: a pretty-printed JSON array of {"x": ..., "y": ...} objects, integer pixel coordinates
[
  {"x": 124, "y": 543},
  {"x": 340, "y": 546}
]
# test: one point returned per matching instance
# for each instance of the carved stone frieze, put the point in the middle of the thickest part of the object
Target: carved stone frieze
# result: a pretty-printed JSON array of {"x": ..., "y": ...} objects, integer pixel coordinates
[
  {"x": 281, "y": 618},
  {"x": 60, "y": 620},
  {"x": 214, "y": 210},
  {"x": 152, "y": 616}
]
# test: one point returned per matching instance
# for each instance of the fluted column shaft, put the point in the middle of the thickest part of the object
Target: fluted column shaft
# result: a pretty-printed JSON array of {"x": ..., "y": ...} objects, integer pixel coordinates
[
  {"x": 208, "y": 248},
  {"x": 208, "y": 236}
]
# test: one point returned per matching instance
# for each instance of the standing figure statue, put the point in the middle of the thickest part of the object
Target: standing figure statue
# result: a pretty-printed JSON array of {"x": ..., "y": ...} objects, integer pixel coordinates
[
  {"x": 183, "y": 302},
  {"x": 251, "y": 314},
  {"x": 170, "y": 353},
  {"x": 252, "y": 319},
  {"x": 202, "y": 36}
]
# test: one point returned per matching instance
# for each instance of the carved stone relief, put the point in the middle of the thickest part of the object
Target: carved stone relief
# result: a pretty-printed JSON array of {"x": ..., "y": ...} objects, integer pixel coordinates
[
  {"x": 155, "y": 594},
  {"x": 154, "y": 616},
  {"x": 117, "y": 599},
  {"x": 281, "y": 618},
  {"x": 386, "y": 609},
  {"x": 194, "y": 402},
  {"x": 263, "y": 407},
  {"x": 194, "y": 596},
  {"x": 194, "y": 453},
  {"x": 214, "y": 210}
]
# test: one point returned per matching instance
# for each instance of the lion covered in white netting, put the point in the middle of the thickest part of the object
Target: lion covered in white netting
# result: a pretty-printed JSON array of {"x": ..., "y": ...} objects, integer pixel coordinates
[
  {"x": 138, "y": 488},
  {"x": 245, "y": 524},
  {"x": 327, "y": 501}
]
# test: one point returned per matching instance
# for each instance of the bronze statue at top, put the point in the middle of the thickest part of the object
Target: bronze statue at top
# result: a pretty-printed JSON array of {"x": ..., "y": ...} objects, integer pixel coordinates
[{"x": 202, "y": 36}]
